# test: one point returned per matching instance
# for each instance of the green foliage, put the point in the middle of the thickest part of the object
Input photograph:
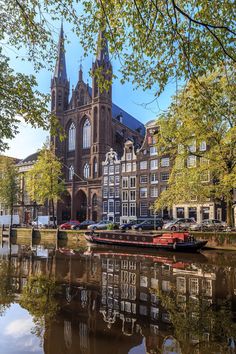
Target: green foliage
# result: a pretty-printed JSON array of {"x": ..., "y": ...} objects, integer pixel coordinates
[
  {"x": 44, "y": 181},
  {"x": 9, "y": 184},
  {"x": 154, "y": 42},
  {"x": 38, "y": 297},
  {"x": 193, "y": 319},
  {"x": 7, "y": 291},
  {"x": 201, "y": 112}
]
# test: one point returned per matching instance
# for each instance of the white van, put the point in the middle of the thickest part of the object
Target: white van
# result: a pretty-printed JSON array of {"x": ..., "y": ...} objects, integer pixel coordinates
[
  {"x": 44, "y": 221},
  {"x": 6, "y": 220}
]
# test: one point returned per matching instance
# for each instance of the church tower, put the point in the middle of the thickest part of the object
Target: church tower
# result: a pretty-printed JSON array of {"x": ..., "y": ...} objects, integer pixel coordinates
[
  {"x": 59, "y": 82},
  {"x": 102, "y": 138}
]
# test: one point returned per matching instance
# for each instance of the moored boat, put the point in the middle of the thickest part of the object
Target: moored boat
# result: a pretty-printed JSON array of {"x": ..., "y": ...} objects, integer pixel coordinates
[{"x": 177, "y": 241}]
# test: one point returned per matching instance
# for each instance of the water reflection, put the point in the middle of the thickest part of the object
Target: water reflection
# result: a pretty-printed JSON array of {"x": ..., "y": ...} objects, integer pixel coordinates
[{"x": 111, "y": 301}]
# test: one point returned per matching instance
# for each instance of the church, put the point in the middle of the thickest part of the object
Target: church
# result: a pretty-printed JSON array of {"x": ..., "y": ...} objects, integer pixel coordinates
[{"x": 93, "y": 125}]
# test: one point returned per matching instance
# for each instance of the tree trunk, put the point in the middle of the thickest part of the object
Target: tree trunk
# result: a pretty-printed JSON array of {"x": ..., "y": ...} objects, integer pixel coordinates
[
  {"x": 11, "y": 216},
  {"x": 53, "y": 213},
  {"x": 229, "y": 212}
]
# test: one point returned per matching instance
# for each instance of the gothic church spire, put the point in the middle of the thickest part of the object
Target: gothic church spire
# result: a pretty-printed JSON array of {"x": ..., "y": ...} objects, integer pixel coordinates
[{"x": 60, "y": 68}]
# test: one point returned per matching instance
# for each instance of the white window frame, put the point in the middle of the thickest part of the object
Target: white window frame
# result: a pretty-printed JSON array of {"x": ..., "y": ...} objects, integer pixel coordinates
[
  {"x": 143, "y": 192},
  {"x": 153, "y": 151},
  {"x": 153, "y": 164},
  {"x": 165, "y": 162},
  {"x": 86, "y": 170},
  {"x": 143, "y": 165}
]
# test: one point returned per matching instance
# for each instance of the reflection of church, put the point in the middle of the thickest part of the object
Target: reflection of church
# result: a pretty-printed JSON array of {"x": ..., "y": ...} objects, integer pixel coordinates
[
  {"x": 111, "y": 302},
  {"x": 93, "y": 124}
]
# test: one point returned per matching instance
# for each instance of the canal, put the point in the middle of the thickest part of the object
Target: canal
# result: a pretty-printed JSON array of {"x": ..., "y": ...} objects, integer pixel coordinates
[{"x": 112, "y": 301}]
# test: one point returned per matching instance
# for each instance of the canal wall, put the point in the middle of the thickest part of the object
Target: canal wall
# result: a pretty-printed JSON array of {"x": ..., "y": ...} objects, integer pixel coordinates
[{"x": 216, "y": 240}]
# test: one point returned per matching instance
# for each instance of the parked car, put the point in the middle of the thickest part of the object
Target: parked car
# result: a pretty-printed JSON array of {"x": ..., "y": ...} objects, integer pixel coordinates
[
  {"x": 179, "y": 224},
  {"x": 101, "y": 225},
  {"x": 209, "y": 225},
  {"x": 128, "y": 225},
  {"x": 69, "y": 224},
  {"x": 149, "y": 225},
  {"x": 83, "y": 225}
]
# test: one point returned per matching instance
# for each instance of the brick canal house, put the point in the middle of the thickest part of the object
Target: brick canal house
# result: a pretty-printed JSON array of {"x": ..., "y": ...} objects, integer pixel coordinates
[
  {"x": 132, "y": 183},
  {"x": 93, "y": 125}
]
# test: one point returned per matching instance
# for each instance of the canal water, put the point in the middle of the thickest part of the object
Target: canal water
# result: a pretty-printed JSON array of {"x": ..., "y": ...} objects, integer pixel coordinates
[{"x": 112, "y": 301}]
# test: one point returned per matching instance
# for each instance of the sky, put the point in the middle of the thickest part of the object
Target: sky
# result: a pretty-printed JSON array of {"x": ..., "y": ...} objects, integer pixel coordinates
[{"x": 29, "y": 140}]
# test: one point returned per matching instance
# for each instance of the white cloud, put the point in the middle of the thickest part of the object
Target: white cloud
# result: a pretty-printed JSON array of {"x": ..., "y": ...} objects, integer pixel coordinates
[{"x": 19, "y": 328}]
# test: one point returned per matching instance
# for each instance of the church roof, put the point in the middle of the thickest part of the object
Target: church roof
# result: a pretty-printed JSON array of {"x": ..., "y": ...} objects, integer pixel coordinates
[
  {"x": 60, "y": 68},
  {"x": 127, "y": 120}
]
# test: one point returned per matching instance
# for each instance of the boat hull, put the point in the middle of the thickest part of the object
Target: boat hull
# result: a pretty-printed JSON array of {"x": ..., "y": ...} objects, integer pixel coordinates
[{"x": 192, "y": 246}]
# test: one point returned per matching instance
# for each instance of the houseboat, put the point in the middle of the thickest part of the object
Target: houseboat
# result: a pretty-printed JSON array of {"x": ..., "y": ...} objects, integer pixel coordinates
[{"x": 176, "y": 241}]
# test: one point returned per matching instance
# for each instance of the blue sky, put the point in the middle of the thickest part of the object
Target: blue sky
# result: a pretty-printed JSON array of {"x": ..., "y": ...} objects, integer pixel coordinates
[{"x": 30, "y": 140}]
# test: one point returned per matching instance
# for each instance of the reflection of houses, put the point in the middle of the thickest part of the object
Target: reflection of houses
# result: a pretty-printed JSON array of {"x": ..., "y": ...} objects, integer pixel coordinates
[{"x": 112, "y": 300}]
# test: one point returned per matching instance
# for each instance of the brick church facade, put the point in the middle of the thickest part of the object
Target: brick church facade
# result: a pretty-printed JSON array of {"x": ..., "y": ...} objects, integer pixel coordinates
[{"x": 93, "y": 125}]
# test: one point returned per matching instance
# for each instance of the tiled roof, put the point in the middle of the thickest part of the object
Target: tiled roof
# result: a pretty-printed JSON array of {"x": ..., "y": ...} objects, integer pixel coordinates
[{"x": 30, "y": 158}]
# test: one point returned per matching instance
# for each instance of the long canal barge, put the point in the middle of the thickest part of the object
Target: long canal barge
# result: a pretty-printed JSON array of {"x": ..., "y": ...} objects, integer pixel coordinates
[{"x": 177, "y": 241}]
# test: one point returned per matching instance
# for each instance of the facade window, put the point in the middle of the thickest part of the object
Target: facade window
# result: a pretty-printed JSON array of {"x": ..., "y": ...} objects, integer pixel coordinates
[
  {"x": 153, "y": 150},
  {"x": 143, "y": 179},
  {"x": 165, "y": 162},
  {"x": 202, "y": 146},
  {"x": 111, "y": 169},
  {"x": 111, "y": 180},
  {"x": 134, "y": 166},
  {"x": 165, "y": 176},
  {"x": 132, "y": 209},
  {"x": 123, "y": 167},
  {"x": 154, "y": 192},
  {"x": 143, "y": 208},
  {"x": 193, "y": 286},
  {"x": 163, "y": 188},
  {"x": 128, "y": 156},
  {"x": 125, "y": 182},
  {"x": 205, "y": 176},
  {"x": 132, "y": 182},
  {"x": 154, "y": 178},
  {"x": 105, "y": 192},
  {"x": 117, "y": 168},
  {"x": 143, "y": 192},
  {"x": 192, "y": 213},
  {"x": 180, "y": 212},
  {"x": 111, "y": 192},
  {"x": 111, "y": 206},
  {"x": 143, "y": 165},
  {"x": 86, "y": 134},
  {"x": 181, "y": 285},
  {"x": 117, "y": 207},
  {"x": 129, "y": 167},
  {"x": 117, "y": 179},
  {"x": 117, "y": 192},
  {"x": 132, "y": 195},
  {"x": 105, "y": 170},
  {"x": 154, "y": 164},
  {"x": 125, "y": 196},
  {"x": 124, "y": 209},
  {"x": 95, "y": 200},
  {"x": 71, "y": 137},
  {"x": 191, "y": 161},
  {"x": 105, "y": 207},
  {"x": 105, "y": 180},
  {"x": 71, "y": 172},
  {"x": 86, "y": 170},
  {"x": 192, "y": 147}
]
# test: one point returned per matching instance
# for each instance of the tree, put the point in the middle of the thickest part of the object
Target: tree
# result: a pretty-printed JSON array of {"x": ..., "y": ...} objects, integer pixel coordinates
[
  {"x": 39, "y": 298},
  {"x": 7, "y": 290},
  {"x": 154, "y": 41},
  {"x": 9, "y": 184},
  {"x": 43, "y": 181},
  {"x": 199, "y": 132}
]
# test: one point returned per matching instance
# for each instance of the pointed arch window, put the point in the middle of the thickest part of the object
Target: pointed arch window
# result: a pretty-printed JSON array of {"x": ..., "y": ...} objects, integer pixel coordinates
[
  {"x": 71, "y": 172},
  {"x": 94, "y": 200},
  {"x": 86, "y": 134},
  {"x": 86, "y": 170},
  {"x": 71, "y": 137},
  {"x": 95, "y": 167}
]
